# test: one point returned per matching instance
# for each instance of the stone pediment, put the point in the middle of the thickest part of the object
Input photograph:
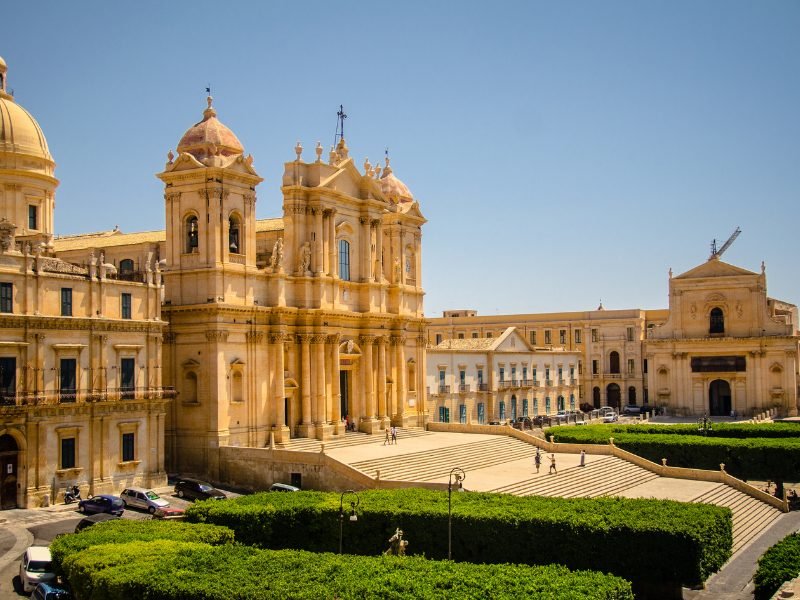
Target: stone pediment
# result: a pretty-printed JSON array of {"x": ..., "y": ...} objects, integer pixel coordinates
[{"x": 715, "y": 268}]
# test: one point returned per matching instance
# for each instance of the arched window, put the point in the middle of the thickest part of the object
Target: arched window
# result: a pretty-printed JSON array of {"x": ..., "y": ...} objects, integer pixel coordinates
[
  {"x": 481, "y": 413},
  {"x": 234, "y": 243},
  {"x": 547, "y": 405},
  {"x": 560, "y": 401},
  {"x": 613, "y": 360},
  {"x": 192, "y": 234},
  {"x": 126, "y": 266},
  {"x": 716, "y": 321},
  {"x": 344, "y": 260},
  {"x": 572, "y": 401},
  {"x": 596, "y": 397},
  {"x": 502, "y": 410},
  {"x": 513, "y": 408}
]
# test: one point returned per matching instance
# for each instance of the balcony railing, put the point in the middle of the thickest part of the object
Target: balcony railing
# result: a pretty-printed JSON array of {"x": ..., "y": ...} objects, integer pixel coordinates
[
  {"x": 444, "y": 389},
  {"x": 84, "y": 396},
  {"x": 483, "y": 387},
  {"x": 463, "y": 388},
  {"x": 548, "y": 382},
  {"x": 504, "y": 384},
  {"x": 527, "y": 382}
]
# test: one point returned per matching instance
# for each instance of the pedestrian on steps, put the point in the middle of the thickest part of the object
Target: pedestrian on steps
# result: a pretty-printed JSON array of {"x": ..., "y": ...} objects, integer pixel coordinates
[
  {"x": 394, "y": 434},
  {"x": 386, "y": 438},
  {"x": 583, "y": 458},
  {"x": 537, "y": 460},
  {"x": 553, "y": 464}
]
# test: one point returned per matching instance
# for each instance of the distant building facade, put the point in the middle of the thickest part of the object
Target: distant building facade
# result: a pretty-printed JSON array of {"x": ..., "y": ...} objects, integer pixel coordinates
[{"x": 498, "y": 379}]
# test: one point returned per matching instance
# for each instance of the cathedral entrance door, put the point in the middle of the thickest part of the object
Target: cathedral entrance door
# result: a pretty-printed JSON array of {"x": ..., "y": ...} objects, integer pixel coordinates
[
  {"x": 344, "y": 390},
  {"x": 719, "y": 398},
  {"x": 613, "y": 394},
  {"x": 8, "y": 476}
]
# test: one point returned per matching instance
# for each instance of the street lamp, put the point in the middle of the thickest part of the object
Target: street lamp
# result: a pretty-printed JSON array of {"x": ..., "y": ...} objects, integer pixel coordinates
[
  {"x": 353, "y": 515},
  {"x": 704, "y": 424},
  {"x": 457, "y": 476}
]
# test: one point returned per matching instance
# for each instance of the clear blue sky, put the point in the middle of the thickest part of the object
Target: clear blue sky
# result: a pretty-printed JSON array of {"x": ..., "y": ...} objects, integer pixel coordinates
[{"x": 562, "y": 152}]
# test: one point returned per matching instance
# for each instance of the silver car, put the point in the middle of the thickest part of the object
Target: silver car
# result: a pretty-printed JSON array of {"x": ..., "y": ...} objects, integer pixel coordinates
[{"x": 141, "y": 498}]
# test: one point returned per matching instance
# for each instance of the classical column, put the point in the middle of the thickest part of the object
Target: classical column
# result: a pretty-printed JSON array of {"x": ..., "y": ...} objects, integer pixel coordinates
[
  {"x": 336, "y": 392},
  {"x": 281, "y": 431},
  {"x": 364, "y": 250},
  {"x": 378, "y": 269},
  {"x": 318, "y": 241},
  {"x": 382, "y": 378},
  {"x": 333, "y": 264},
  {"x": 306, "y": 426},
  {"x": 368, "y": 423},
  {"x": 400, "y": 381}
]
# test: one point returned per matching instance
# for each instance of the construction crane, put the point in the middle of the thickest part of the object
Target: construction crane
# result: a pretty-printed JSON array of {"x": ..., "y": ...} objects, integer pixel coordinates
[{"x": 717, "y": 253}]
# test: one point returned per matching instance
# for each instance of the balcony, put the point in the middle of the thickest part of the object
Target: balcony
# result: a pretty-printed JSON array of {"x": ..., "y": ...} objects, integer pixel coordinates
[
  {"x": 504, "y": 384},
  {"x": 527, "y": 383},
  {"x": 444, "y": 389},
  {"x": 85, "y": 396},
  {"x": 548, "y": 382},
  {"x": 483, "y": 387},
  {"x": 463, "y": 388}
]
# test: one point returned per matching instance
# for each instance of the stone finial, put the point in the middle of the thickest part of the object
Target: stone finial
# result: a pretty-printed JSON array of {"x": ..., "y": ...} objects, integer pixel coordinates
[
  {"x": 763, "y": 267},
  {"x": 670, "y": 272},
  {"x": 367, "y": 167},
  {"x": 249, "y": 160},
  {"x": 318, "y": 151},
  {"x": 378, "y": 170},
  {"x": 298, "y": 150},
  {"x": 663, "y": 462},
  {"x": 332, "y": 156},
  {"x": 722, "y": 467}
]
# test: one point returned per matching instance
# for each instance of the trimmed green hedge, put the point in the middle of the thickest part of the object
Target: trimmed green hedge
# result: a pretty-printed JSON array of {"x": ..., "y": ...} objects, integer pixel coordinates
[
  {"x": 774, "y": 456},
  {"x": 627, "y": 537},
  {"x": 170, "y": 570},
  {"x": 124, "y": 530},
  {"x": 779, "y": 564}
]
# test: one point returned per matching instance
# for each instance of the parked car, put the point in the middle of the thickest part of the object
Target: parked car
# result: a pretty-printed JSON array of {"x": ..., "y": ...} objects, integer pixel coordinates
[
  {"x": 51, "y": 591},
  {"x": 523, "y": 423},
  {"x": 36, "y": 567},
  {"x": 632, "y": 409},
  {"x": 103, "y": 503},
  {"x": 283, "y": 487},
  {"x": 197, "y": 490},
  {"x": 604, "y": 410},
  {"x": 92, "y": 519},
  {"x": 141, "y": 498},
  {"x": 610, "y": 417},
  {"x": 169, "y": 512}
]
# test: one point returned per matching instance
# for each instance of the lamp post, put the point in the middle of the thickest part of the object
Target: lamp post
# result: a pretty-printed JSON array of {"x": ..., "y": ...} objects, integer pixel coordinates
[
  {"x": 457, "y": 476},
  {"x": 704, "y": 425},
  {"x": 353, "y": 515}
]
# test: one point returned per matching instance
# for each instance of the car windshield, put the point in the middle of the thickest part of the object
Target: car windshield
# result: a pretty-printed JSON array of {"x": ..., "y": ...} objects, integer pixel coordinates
[
  {"x": 39, "y": 566},
  {"x": 204, "y": 487},
  {"x": 152, "y": 496}
]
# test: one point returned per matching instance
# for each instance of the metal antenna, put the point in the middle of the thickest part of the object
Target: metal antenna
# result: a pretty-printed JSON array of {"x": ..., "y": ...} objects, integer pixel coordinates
[
  {"x": 340, "y": 117},
  {"x": 208, "y": 89},
  {"x": 717, "y": 253}
]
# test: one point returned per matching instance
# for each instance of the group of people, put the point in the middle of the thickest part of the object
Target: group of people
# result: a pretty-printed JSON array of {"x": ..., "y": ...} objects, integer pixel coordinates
[
  {"x": 349, "y": 425},
  {"x": 391, "y": 435},
  {"x": 537, "y": 461}
]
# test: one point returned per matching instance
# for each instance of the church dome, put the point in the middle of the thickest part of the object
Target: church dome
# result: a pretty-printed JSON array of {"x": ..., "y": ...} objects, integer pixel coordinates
[
  {"x": 210, "y": 137},
  {"x": 393, "y": 188},
  {"x": 20, "y": 134}
]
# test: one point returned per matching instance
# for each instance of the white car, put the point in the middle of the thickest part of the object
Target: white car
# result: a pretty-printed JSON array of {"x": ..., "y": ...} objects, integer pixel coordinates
[
  {"x": 141, "y": 498},
  {"x": 610, "y": 417},
  {"x": 36, "y": 567}
]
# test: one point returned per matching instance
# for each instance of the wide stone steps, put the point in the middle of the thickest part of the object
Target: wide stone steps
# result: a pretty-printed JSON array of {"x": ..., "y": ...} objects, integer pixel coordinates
[
  {"x": 750, "y": 516},
  {"x": 351, "y": 438},
  {"x": 434, "y": 464},
  {"x": 602, "y": 476}
]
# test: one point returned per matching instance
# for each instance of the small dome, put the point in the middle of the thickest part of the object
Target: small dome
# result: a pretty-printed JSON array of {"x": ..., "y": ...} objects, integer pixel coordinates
[
  {"x": 393, "y": 188},
  {"x": 20, "y": 134},
  {"x": 210, "y": 137}
]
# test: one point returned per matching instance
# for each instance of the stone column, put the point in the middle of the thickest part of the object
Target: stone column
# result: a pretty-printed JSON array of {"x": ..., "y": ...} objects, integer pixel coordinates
[
  {"x": 381, "y": 398},
  {"x": 280, "y": 430},
  {"x": 336, "y": 392},
  {"x": 323, "y": 429},
  {"x": 378, "y": 272},
  {"x": 368, "y": 423},
  {"x": 333, "y": 264},
  {"x": 318, "y": 242},
  {"x": 364, "y": 250},
  {"x": 398, "y": 418},
  {"x": 306, "y": 427}
]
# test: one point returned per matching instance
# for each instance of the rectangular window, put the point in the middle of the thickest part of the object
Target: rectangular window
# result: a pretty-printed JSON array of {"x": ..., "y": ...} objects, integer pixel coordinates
[
  {"x": 461, "y": 336},
  {"x": 488, "y": 334},
  {"x": 644, "y": 366},
  {"x": 572, "y": 373},
  {"x": 594, "y": 367},
  {"x": 6, "y": 297},
  {"x": 525, "y": 373},
  {"x": 547, "y": 339},
  {"x": 344, "y": 260},
  {"x": 562, "y": 336},
  {"x": 532, "y": 336},
  {"x": 462, "y": 413},
  {"x": 502, "y": 374},
  {"x": 438, "y": 338},
  {"x": 66, "y": 302},
  {"x": 577, "y": 336},
  {"x": 67, "y": 379},
  {"x": 524, "y": 407},
  {"x": 462, "y": 377},
  {"x": 127, "y": 377},
  {"x": 8, "y": 378},
  {"x": 474, "y": 335},
  {"x": 126, "y": 306},
  {"x": 535, "y": 407},
  {"x": 631, "y": 366},
  {"x": 594, "y": 335},
  {"x": 629, "y": 334},
  {"x": 547, "y": 405},
  {"x": 547, "y": 374},
  {"x": 513, "y": 373},
  {"x": 33, "y": 222},
  {"x": 561, "y": 373},
  {"x": 534, "y": 374},
  {"x": 128, "y": 447},
  {"x": 580, "y": 367},
  {"x": 68, "y": 453},
  {"x": 480, "y": 376}
]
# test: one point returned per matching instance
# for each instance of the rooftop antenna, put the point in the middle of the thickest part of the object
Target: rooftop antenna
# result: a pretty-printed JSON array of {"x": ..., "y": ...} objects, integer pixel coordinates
[
  {"x": 340, "y": 117},
  {"x": 717, "y": 253}
]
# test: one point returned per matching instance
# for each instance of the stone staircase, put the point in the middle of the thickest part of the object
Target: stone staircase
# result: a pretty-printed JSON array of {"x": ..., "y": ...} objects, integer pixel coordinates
[
  {"x": 434, "y": 464},
  {"x": 602, "y": 476},
  {"x": 351, "y": 438},
  {"x": 750, "y": 516}
]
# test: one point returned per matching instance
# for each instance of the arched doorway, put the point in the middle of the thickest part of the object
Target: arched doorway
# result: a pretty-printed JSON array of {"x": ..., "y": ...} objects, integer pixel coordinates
[
  {"x": 719, "y": 398},
  {"x": 631, "y": 395},
  {"x": 613, "y": 362},
  {"x": 9, "y": 451},
  {"x": 596, "y": 397},
  {"x": 613, "y": 395}
]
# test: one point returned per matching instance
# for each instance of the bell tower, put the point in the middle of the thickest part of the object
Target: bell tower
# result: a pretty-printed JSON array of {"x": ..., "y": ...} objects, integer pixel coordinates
[{"x": 210, "y": 216}]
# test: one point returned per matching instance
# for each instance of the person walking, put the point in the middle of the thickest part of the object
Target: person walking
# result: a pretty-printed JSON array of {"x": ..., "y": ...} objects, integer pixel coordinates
[
  {"x": 386, "y": 438},
  {"x": 583, "y": 458},
  {"x": 553, "y": 464},
  {"x": 394, "y": 434},
  {"x": 537, "y": 460}
]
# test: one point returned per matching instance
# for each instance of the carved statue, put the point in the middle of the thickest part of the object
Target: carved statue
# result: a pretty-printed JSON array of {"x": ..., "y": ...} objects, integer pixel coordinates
[
  {"x": 7, "y": 229},
  {"x": 350, "y": 346},
  {"x": 305, "y": 259},
  {"x": 693, "y": 310},
  {"x": 397, "y": 545},
  {"x": 276, "y": 260},
  {"x": 398, "y": 269}
]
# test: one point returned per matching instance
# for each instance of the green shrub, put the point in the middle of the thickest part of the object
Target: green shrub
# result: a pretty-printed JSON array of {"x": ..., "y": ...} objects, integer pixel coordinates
[
  {"x": 774, "y": 456},
  {"x": 170, "y": 570},
  {"x": 779, "y": 564},
  {"x": 123, "y": 530},
  {"x": 627, "y": 537}
]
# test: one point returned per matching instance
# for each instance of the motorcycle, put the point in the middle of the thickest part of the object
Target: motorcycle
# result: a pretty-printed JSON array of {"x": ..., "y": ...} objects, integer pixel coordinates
[{"x": 73, "y": 494}]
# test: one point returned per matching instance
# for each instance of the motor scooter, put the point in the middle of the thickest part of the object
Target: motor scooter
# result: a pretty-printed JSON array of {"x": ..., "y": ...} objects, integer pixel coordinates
[{"x": 73, "y": 494}]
